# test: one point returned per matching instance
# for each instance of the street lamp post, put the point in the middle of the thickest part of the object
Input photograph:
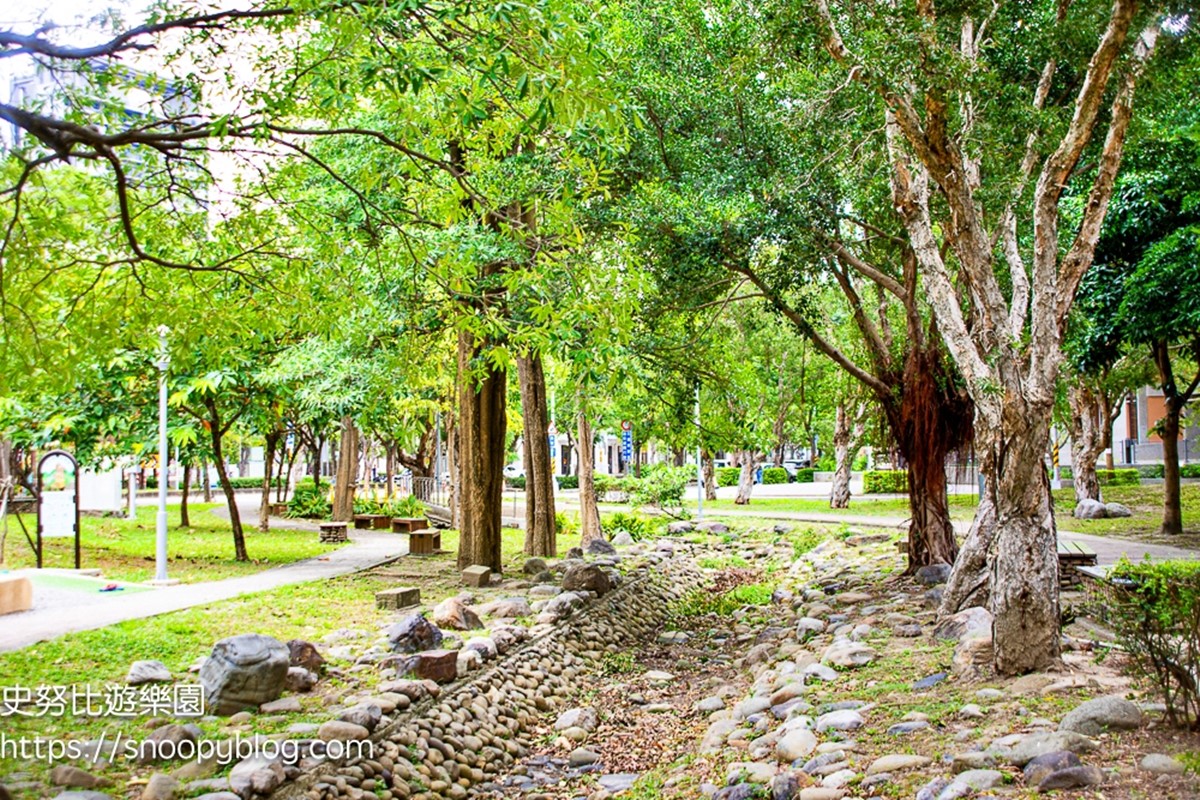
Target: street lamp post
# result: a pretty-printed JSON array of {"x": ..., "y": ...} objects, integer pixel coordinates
[{"x": 160, "y": 554}]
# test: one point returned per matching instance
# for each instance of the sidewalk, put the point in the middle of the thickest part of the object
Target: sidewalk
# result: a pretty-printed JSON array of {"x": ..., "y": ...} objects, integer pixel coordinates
[{"x": 366, "y": 549}]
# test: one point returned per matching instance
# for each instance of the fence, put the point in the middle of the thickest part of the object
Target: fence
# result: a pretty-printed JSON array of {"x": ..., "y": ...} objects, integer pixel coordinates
[
  {"x": 1133, "y": 452},
  {"x": 431, "y": 490}
]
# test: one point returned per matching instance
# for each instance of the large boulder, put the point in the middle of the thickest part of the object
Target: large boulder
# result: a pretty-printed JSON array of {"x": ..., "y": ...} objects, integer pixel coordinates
[
  {"x": 453, "y": 613},
  {"x": 413, "y": 634},
  {"x": 242, "y": 672},
  {"x": 970, "y": 623},
  {"x": 148, "y": 672},
  {"x": 600, "y": 547},
  {"x": 1090, "y": 509},
  {"x": 1115, "y": 510},
  {"x": 586, "y": 577},
  {"x": 1104, "y": 713}
]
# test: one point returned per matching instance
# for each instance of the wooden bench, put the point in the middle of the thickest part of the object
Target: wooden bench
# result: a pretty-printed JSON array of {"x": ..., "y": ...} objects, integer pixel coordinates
[
  {"x": 425, "y": 542},
  {"x": 334, "y": 532},
  {"x": 1071, "y": 557},
  {"x": 381, "y": 522},
  {"x": 278, "y": 509},
  {"x": 409, "y": 524}
]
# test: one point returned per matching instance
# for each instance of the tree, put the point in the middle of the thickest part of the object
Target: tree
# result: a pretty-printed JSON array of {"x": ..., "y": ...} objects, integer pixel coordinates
[{"x": 967, "y": 176}]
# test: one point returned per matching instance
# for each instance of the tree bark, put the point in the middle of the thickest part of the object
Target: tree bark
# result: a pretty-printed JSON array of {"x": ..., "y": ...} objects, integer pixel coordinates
[
  {"x": 205, "y": 482},
  {"x": 264, "y": 507},
  {"x": 347, "y": 468},
  {"x": 184, "y": 520},
  {"x": 1087, "y": 440},
  {"x": 839, "y": 494},
  {"x": 390, "y": 479},
  {"x": 749, "y": 460},
  {"x": 540, "y": 522},
  {"x": 481, "y": 447},
  {"x": 589, "y": 511},
  {"x": 1172, "y": 523},
  {"x": 217, "y": 433}
]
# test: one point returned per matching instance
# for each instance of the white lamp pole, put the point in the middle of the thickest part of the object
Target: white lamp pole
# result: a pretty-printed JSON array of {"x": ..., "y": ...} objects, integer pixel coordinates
[{"x": 164, "y": 360}]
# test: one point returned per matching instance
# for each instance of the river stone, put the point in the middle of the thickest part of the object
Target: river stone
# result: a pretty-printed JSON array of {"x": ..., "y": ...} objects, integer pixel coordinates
[
  {"x": 284, "y": 705},
  {"x": 929, "y": 681},
  {"x": 716, "y": 735},
  {"x": 299, "y": 679},
  {"x": 711, "y": 526},
  {"x": 1037, "y": 744},
  {"x": 897, "y": 762},
  {"x": 710, "y": 704},
  {"x": 821, "y": 793},
  {"x": 845, "y": 653},
  {"x": 584, "y": 717},
  {"x": 366, "y": 715},
  {"x": 1072, "y": 778},
  {"x": 76, "y": 778},
  {"x": 305, "y": 654},
  {"x": 842, "y": 720},
  {"x": 622, "y": 539},
  {"x": 453, "y": 613},
  {"x": 795, "y": 744},
  {"x": 341, "y": 731},
  {"x": 1117, "y": 510},
  {"x": 156, "y": 745},
  {"x": 980, "y": 780},
  {"x": 1047, "y": 764},
  {"x": 1095, "y": 716},
  {"x": 587, "y": 577},
  {"x": 1160, "y": 764},
  {"x": 785, "y": 786},
  {"x": 912, "y": 726},
  {"x": 807, "y": 627},
  {"x": 257, "y": 775},
  {"x": 680, "y": 526},
  {"x": 160, "y": 787},
  {"x": 751, "y": 706},
  {"x": 973, "y": 622},
  {"x": 243, "y": 671},
  {"x": 148, "y": 672},
  {"x": 1090, "y": 509},
  {"x": 600, "y": 547},
  {"x": 534, "y": 566},
  {"x": 820, "y": 672},
  {"x": 413, "y": 634},
  {"x": 933, "y": 574}
]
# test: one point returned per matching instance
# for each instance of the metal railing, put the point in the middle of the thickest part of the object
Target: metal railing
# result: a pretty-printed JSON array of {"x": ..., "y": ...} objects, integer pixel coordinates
[{"x": 431, "y": 490}]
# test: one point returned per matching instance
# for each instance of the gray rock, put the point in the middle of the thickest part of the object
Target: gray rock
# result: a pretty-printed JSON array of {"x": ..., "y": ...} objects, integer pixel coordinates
[
  {"x": 217, "y": 796},
  {"x": 820, "y": 672},
  {"x": 902, "y": 728},
  {"x": 587, "y": 577},
  {"x": 82, "y": 795},
  {"x": 845, "y": 653},
  {"x": 583, "y": 717},
  {"x": 970, "y": 623},
  {"x": 1161, "y": 764},
  {"x": 305, "y": 654},
  {"x": 896, "y": 763},
  {"x": 1038, "y": 744},
  {"x": 842, "y": 720},
  {"x": 575, "y": 553},
  {"x": 534, "y": 566},
  {"x": 1096, "y": 716},
  {"x": 1117, "y": 510},
  {"x": 929, "y": 681},
  {"x": 751, "y": 706},
  {"x": 600, "y": 547},
  {"x": 255, "y": 775},
  {"x": 413, "y": 634},
  {"x": 366, "y": 715},
  {"x": 795, "y": 744},
  {"x": 75, "y": 778},
  {"x": 710, "y": 526},
  {"x": 785, "y": 786},
  {"x": 563, "y": 604},
  {"x": 618, "y": 781},
  {"x": 933, "y": 574},
  {"x": 244, "y": 672},
  {"x": 680, "y": 526},
  {"x": 299, "y": 679},
  {"x": 581, "y": 757},
  {"x": 980, "y": 780},
  {"x": 1072, "y": 778},
  {"x": 284, "y": 705},
  {"x": 1090, "y": 509},
  {"x": 622, "y": 539},
  {"x": 163, "y": 743},
  {"x": 807, "y": 627},
  {"x": 1042, "y": 766},
  {"x": 931, "y": 790},
  {"x": 739, "y": 791},
  {"x": 148, "y": 672},
  {"x": 340, "y": 731},
  {"x": 160, "y": 787},
  {"x": 710, "y": 704}
]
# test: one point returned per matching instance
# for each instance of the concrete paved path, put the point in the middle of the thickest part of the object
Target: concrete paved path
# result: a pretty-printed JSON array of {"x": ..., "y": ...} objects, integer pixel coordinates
[{"x": 50, "y": 620}]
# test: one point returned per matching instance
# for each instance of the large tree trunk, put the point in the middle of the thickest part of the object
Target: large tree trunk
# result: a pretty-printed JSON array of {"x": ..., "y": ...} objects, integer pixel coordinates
[
  {"x": 1024, "y": 592},
  {"x": 839, "y": 494},
  {"x": 481, "y": 434},
  {"x": 540, "y": 520},
  {"x": 235, "y": 518},
  {"x": 710, "y": 476},
  {"x": 390, "y": 479},
  {"x": 347, "y": 468},
  {"x": 184, "y": 520},
  {"x": 749, "y": 461},
  {"x": 206, "y": 483},
  {"x": 1087, "y": 440},
  {"x": 589, "y": 511},
  {"x": 1172, "y": 522},
  {"x": 264, "y": 507}
]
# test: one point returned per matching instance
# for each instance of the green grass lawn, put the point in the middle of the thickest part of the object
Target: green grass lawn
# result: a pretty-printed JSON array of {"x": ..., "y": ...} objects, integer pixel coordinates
[
  {"x": 962, "y": 506},
  {"x": 124, "y": 549}
]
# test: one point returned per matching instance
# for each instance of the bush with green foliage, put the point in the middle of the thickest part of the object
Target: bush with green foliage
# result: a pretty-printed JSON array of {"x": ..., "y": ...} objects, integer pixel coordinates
[
  {"x": 408, "y": 506},
  {"x": 774, "y": 475},
  {"x": 568, "y": 481},
  {"x": 805, "y": 540},
  {"x": 728, "y": 476},
  {"x": 516, "y": 483},
  {"x": 1150, "y": 471},
  {"x": 310, "y": 500},
  {"x": 1118, "y": 477},
  {"x": 1154, "y": 608},
  {"x": 661, "y": 486},
  {"x": 702, "y": 602},
  {"x": 827, "y": 463},
  {"x": 885, "y": 481},
  {"x": 638, "y": 526},
  {"x": 806, "y": 475},
  {"x": 1189, "y": 471}
]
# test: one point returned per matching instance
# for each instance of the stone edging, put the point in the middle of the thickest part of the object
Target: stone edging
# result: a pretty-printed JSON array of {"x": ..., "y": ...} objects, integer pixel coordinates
[{"x": 477, "y": 728}]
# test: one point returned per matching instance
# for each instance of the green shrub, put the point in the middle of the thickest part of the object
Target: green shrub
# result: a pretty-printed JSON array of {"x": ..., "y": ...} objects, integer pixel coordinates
[
  {"x": 516, "y": 483},
  {"x": 566, "y": 525},
  {"x": 1065, "y": 473},
  {"x": 1118, "y": 477},
  {"x": 1151, "y": 471},
  {"x": 1189, "y": 471},
  {"x": 806, "y": 475},
  {"x": 568, "y": 481},
  {"x": 1155, "y": 610},
  {"x": 885, "y": 481},
  {"x": 773, "y": 475},
  {"x": 310, "y": 501},
  {"x": 638, "y": 526},
  {"x": 857, "y": 465},
  {"x": 805, "y": 540},
  {"x": 407, "y": 506},
  {"x": 728, "y": 476},
  {"x": 702, "y": 602},
  {"x": 661, "y": 486}
]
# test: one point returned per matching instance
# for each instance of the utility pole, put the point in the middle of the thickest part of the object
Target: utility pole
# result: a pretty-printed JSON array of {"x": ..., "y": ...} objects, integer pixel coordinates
[{"x": 699, "y": 461}]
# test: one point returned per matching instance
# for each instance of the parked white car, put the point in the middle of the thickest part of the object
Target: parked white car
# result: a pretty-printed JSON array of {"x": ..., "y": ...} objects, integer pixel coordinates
[{"x": 515, "y": 470}]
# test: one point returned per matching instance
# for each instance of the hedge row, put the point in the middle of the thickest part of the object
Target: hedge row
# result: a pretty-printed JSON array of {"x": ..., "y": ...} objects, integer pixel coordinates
[
  {"x": 774, "y": 475},
  {"x": 885, "y": 481}
]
